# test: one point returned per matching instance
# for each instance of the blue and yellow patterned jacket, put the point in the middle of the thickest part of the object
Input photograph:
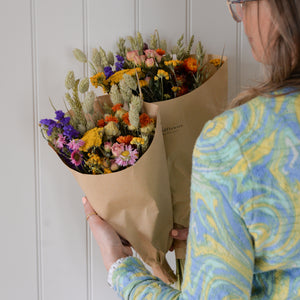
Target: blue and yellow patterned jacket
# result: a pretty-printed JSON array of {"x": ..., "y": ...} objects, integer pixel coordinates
[{"x": 244, "y": 236}]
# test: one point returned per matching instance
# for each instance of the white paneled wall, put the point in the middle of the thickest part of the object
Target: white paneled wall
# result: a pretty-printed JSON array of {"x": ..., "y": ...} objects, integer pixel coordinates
[{"x": 46, "y": 250}]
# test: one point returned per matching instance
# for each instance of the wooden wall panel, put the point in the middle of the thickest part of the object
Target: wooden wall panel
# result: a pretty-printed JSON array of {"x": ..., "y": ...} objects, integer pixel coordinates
[
  {"x": 59, "y": 29},
  {"x": 18, "y": 271}
]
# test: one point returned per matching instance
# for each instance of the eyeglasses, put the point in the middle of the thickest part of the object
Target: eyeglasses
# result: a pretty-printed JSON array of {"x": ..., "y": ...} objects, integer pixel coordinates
[{"x": 236, "y": 8}]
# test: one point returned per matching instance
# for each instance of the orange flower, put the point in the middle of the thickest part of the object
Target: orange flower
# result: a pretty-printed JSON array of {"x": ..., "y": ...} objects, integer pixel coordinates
[
  {"x": 125, "y": 119},
  {"x": 144, "y": 120},
  {"x": 160, "y": 51},
  {"x": 184, "y": 90},
  {"x": 101, "y": 123},
  {"x": 190, "y": 64},
  {"x": 111, "y": 118},
  {"x": 117, "y": 107},
  {"x": 125, "y": 139}
]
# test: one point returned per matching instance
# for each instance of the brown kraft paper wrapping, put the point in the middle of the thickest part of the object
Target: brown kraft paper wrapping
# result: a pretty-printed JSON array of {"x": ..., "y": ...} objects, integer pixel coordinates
[
  {"x": 182, "y": 121},
  {"x": 137, "y": 203}
]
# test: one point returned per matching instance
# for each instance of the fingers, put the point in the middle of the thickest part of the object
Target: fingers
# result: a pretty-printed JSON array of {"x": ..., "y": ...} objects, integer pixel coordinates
[
  {"x": 89, "y": 211},
  {"x": 180, "y": 234}
]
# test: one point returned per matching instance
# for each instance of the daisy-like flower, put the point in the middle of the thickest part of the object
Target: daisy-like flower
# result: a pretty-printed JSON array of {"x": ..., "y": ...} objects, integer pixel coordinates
[
  {"x": 60, "y": 142},
  {"x": 128, "y": 157},
  {"x": 74, "y": 145},
  {"x": 76, "y": 158}
]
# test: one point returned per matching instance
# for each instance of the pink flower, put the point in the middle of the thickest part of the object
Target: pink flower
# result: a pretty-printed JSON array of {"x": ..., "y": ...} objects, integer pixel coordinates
[
  {"x": 132, "y": 54},
  {"x": 76, "y": 158},
  {"x": 153, "y": 54},
  {"x": 60, "y": 142},
  {"x": 74, "y": 145},
  {"x": 137, "y": 60},
  {"x": 107, "y": 146},
  {"x": 127, "y": 157},
  {"x": 150, "y": 62},
  {"x": 117, "y": 149}
]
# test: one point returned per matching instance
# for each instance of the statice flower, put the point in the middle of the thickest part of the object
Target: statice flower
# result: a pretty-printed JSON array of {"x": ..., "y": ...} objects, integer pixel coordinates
[
  {"x": 119, "y": 63},
  {"x": 60, "y": 116},
  {"x": 49, "y": 124},
  {"x": 108, "y": 72},
  {"x": 70, "y": 132}
]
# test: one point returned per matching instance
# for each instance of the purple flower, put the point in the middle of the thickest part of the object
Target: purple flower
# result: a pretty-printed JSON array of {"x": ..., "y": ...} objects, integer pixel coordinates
[
  {"x": 119, "y": 65},
  {"x": 70, "y": 132},
  {"x": 49, "y": 124},
  {"x": 108, "y": 71},
  {"x": 59, "y": 115},
  {"x": 120, "y": 58}
]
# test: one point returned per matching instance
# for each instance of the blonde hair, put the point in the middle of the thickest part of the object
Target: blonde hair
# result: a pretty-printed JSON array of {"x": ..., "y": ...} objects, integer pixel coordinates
[{"x": 284, "y": 56}]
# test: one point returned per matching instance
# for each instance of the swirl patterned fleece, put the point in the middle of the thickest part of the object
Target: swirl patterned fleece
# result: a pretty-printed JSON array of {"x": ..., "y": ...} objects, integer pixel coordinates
[{"x": 244, "y": 239}]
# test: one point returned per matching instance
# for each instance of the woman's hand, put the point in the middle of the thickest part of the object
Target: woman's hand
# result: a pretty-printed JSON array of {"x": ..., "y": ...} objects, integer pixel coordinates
[
  {"x": 179, "y": 234},
  {"x": 110, "y": 244}
]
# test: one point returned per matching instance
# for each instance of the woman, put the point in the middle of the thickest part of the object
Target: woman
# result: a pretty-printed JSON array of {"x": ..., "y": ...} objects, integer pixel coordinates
[{"x": 244, "y": 236}]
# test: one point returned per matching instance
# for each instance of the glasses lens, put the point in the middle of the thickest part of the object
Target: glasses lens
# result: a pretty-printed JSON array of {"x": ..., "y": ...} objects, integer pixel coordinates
[{"x": 237, "y": 11}]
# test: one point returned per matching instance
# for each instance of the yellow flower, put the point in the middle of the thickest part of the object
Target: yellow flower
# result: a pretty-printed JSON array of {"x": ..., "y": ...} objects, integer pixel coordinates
[
  {"x": 174, "y": 63},
  {"x": 98, "y": 80},
  {"x": 107, "y": 170},
  {"x": 216, "y": 62},
  {"x": 94, "y": 163},
  {"x": 175, "y": 88},
  {"x": 143, "y": 83},
  {"x": 162, "y": 74},
  {"x": 92, "y": 138},
  {"x": 137, "y": 141},
  {"x": 118, "y": 76}
]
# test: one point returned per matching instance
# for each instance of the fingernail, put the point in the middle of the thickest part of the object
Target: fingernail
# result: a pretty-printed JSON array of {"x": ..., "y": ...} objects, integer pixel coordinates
[
  {"x": 84, "y": 200},
  {"x": 174, "y": 232}
]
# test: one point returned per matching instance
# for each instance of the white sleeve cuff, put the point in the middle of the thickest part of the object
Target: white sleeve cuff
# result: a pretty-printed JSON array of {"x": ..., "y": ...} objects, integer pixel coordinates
[{"x": 113, "y": 267}]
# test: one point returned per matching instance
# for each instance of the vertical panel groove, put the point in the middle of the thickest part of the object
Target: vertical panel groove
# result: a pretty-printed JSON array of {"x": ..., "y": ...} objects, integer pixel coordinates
[
  {"x": 89, "y": 257},
  {"x": 238, "y": 58},
  {"x": 188, "y": 21},
  {"x": 37, "y": 171},
  {"x": 136, "y": 16}
]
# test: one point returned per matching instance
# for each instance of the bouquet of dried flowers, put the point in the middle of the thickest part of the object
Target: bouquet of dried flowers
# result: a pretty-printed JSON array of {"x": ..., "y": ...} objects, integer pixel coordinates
[
  {"x": 162, "y": 75},
  {"x": 114, "y": 141},
  {"x": 95, "y": 137}
]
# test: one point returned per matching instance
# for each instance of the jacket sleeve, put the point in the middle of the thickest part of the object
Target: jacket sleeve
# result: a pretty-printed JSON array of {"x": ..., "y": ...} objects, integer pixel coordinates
[{"x": 220, "y": 254}]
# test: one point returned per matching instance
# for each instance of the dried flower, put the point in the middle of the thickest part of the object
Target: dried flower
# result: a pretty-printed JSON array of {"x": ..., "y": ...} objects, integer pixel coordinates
[
  {"x": 84, "y": 85},
  {"x": 92, "y": 138},
  {"x": 125, "y": 139},
  {"x": 127, "y": 157},
  {"x": 60, "y": 142},
  {"x": 190, "y": 64},
  {"x": 76, "y": 158},
  {"x": 117, "y": 149},
  {"x": 70, "y": 80},
  {"x": 111, "y": 129},
  {"x": 79, "y": 55}
]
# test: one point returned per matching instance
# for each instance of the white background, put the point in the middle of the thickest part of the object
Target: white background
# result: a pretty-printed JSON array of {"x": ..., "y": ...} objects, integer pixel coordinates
[{"x": 46, "y": 250}]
